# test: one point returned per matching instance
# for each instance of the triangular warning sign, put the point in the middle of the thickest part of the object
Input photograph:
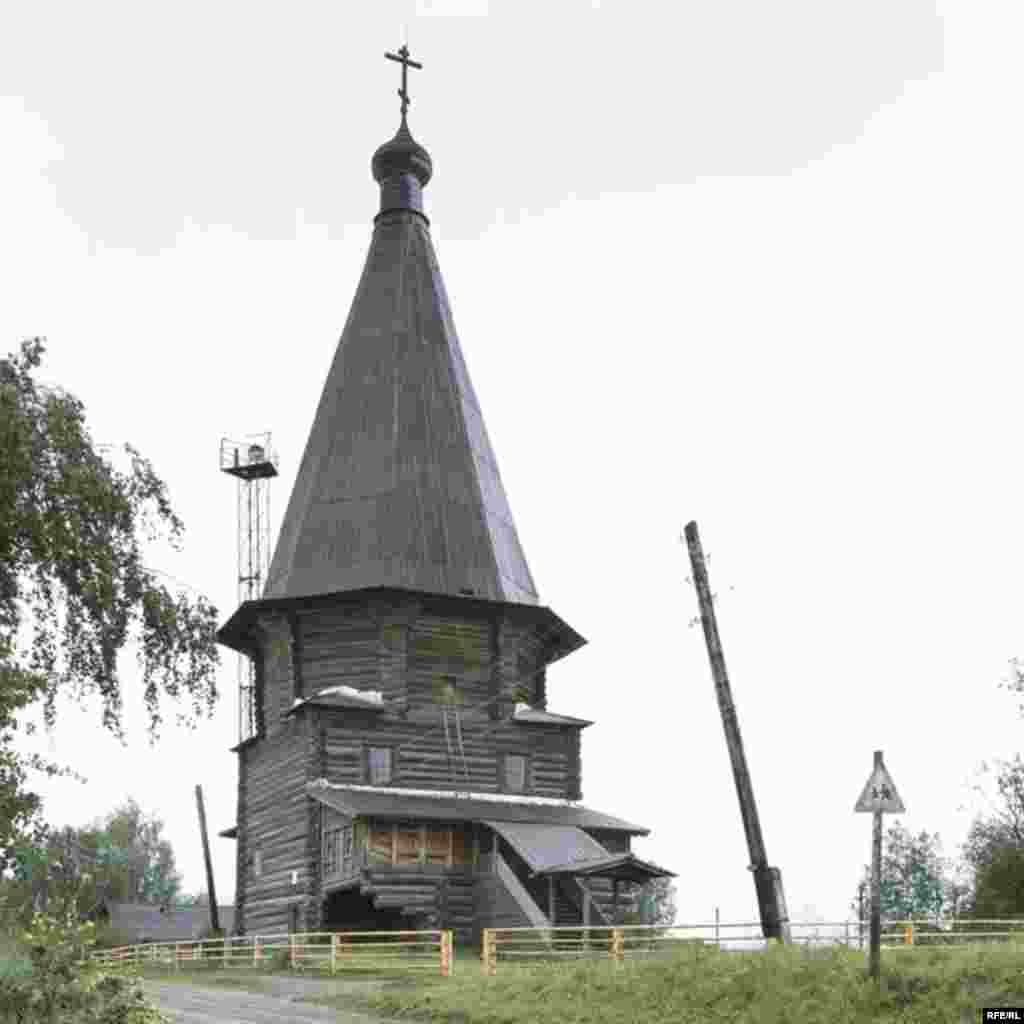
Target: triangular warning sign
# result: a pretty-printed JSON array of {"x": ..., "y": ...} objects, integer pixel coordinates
[{"x": 879, "y": 794}]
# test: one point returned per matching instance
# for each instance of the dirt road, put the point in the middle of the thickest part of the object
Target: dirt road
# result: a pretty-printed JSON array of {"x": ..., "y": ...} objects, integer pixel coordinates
[{"x": 191, "y": 1004}]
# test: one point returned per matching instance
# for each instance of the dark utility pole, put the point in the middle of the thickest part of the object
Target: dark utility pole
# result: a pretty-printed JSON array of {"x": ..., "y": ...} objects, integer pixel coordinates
[
  {"x": 767, "y": 880},
  {"x": 214, "y": 919}
]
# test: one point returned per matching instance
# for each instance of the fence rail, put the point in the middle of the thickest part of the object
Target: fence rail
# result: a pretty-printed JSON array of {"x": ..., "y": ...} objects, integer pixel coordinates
[
  {"x": 333, "y": 951},
  {"x": 531, "y": 945},
  {"x": 374, "y": 951}
]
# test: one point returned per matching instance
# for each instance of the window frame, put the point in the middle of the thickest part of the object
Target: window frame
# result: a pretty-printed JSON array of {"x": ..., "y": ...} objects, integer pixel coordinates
[
  {"x": 369, "y": 765},
  {"x": 506, "y": 783}
]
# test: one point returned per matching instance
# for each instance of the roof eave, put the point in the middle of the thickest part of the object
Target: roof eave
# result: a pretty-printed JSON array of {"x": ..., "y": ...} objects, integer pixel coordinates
[
  {"x": 619, "y": 863},
  {"x": 563, "y": 639},
  {"x": 318, "y": 787}
]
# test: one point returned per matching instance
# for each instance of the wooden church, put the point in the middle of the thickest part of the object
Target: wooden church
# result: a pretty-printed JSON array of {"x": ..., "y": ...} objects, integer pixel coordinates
[{"x": 403, "y": 769}]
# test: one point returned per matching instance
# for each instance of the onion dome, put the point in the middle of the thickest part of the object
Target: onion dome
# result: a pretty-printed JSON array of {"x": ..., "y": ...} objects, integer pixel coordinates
[{"x": 401, "y": 167}]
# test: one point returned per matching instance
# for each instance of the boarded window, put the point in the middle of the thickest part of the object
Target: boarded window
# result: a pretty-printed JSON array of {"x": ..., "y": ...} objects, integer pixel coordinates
[
  {"x": 407, "y": 845},
  {"x": 460, "y": 848},
  {"x": 380, "y": 765},
  {"x": 437, "y": 845},
  {"x": 379, "y": 849},
  {"x": 515, "y": 773}
]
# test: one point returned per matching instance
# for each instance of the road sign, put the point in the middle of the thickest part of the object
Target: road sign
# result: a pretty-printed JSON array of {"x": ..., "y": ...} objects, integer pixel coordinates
[
  {"x": 878, "y": 797},
  {"x": 879, "y": 793}
]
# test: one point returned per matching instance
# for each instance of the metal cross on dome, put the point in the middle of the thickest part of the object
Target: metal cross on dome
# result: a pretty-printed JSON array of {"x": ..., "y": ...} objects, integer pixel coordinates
[{"x": 402, "y": 57}]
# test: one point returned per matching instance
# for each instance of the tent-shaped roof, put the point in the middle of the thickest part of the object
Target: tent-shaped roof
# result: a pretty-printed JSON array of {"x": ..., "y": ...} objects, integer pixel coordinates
[{"x": 399, "y": 485}]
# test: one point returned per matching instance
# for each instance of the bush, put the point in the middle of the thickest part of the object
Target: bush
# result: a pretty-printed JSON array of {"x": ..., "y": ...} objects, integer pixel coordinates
[{"x": 60, "y": 988}]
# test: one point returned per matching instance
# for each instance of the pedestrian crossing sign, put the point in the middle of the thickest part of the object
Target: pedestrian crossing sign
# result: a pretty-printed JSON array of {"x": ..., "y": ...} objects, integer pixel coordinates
[{"x": 879, "y": 794}]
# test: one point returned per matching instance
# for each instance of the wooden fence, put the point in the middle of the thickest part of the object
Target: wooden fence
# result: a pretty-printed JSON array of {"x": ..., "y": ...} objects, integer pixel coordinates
[
  {"x": 330, "y": 951},
  {"x": 525, "y": 945}
]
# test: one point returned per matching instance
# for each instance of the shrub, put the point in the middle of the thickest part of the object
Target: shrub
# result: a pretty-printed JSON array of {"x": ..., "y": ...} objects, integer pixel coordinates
[{"x": 62, "y": 987}]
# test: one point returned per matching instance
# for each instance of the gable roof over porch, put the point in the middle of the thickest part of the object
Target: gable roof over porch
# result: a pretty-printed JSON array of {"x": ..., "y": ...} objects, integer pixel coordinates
[{"x": 566, "y": 850}]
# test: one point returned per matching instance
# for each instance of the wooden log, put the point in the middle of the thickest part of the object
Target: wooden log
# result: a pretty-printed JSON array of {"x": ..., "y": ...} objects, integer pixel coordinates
[
  {"x": 402, "y": 892},
  {"x": 382, "y": 903}
]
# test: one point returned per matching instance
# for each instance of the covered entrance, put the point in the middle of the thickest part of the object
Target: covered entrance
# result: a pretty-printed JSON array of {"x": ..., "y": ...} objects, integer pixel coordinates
[{"x": 556, "y": 862}]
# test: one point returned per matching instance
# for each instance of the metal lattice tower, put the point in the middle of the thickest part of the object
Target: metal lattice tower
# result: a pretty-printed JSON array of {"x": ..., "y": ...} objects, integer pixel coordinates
[{"x": 252, "y": 462}]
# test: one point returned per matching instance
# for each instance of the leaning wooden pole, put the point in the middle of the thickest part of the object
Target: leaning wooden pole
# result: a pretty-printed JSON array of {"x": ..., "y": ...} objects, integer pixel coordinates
[
  {"x": 767, "y": 880},
  {"x": 214, "y": 919}
]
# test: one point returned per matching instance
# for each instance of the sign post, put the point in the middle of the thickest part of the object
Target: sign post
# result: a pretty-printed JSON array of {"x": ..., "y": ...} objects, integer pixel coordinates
[{"x": 878, "y": 797}]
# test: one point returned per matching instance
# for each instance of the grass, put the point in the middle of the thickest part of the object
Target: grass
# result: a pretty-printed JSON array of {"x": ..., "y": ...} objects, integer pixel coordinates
[
  {"x": 14, "y": 962},
  {"x": 777, "y": 986}
]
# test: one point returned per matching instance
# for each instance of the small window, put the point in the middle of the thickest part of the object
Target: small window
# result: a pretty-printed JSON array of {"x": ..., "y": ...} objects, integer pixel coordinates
[
  {"x": 515, "y": 773},
  {"x": 257, "y": 863},
  {"x": 380, "y": 765}
]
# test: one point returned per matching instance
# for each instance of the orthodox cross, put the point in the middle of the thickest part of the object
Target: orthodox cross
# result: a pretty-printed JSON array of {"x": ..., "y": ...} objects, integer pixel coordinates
[{"x": 402, "y": 57}]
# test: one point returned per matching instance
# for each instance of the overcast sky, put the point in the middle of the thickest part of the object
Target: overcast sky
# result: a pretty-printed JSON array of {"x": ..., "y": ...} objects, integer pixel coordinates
[{"x": 752, "y": 264}]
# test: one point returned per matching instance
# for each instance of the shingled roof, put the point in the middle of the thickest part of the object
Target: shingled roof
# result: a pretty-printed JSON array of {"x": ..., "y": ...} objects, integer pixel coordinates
[{"x": 399, "y": 485}]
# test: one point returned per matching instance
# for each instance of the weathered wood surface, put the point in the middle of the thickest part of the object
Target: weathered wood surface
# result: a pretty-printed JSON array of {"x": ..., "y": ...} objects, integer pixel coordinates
[
  {"x": 407, "y": 649},
  {"x": 497, "y": 905},
  {"x": 613, "y": 842},
  {"x": 422, "y": 757},
  {"x": 403, "y": 649},
  {"x": 275, "y": 819}
]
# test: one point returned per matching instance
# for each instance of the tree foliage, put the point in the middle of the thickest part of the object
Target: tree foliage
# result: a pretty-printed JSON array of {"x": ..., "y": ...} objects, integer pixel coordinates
[
  {"x": 916, "y": 880},
  {"x": 121, "y": 857},
  {"x": 73, "y": 587},
  {"x": 994, "y": 848},
  {"x": 655, "y": 904}
]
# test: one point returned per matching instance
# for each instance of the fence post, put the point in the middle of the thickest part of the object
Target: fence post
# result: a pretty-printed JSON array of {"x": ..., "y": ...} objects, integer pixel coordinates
[
  {"x": 334, "y": 952},
  {"x": 255, "y": 950},
  {"x": 176, "y": 954},
  {"x": 291, "y": 943},
  {"x": 908, "y": 935},
  {"x": 617, "y": 945},
  {"x": 446, "y": 954},
  {"x": 489, "y": 952}
]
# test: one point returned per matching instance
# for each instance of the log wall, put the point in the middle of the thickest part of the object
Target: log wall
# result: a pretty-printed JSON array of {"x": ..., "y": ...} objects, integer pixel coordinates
[
  {"x": 408, "y": 648},
  {"x": 404, "y": 648},
  {"x": 339, "y": 647},
  {"x": 276, "y": 819},
  {"x": 420, "y": 752},
  {"x": 278, "y": 684},
  {"x": 602, "y": 894}
]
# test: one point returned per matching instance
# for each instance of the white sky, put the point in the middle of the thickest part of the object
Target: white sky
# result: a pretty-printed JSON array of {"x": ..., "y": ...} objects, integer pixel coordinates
[{"x": 755, "y": 265}]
